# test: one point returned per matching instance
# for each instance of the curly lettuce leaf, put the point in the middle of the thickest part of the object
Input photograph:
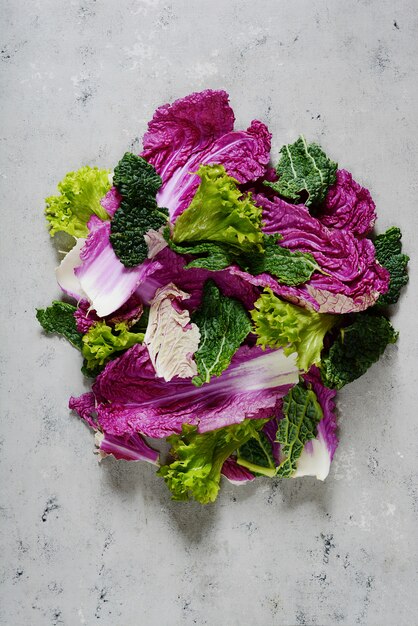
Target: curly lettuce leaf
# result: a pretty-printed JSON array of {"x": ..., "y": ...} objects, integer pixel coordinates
[
  {"x": 224, "y": 324},
  {"x": 357, "y": 347},
  {"x": 302, "y": 413},
  {"x": 79, "y": 199},
  {"x": 220, "y": 213},
  {"x": 389, "y": 254},
  {"x": 278, "y": 323},
  {"x": 137, "y": 182},
  {"x": 199, "y": 458},
  {"x": 256, "y": 455},
  {"x": 59, "y": 318},
  {"x": 305, "y": 173},
  {"x": 101, "y": 342}
]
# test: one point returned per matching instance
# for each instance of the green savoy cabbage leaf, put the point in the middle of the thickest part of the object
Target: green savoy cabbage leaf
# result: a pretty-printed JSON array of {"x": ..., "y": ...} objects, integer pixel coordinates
[
  {"x": 220, "y": 213},
  {"x": 79, "y": 199},
  {"x": 198, "y": 459},
  {"x": 101, "y": 342},
  {"x": 302, "y": 413},
  {"x": 305, "y": 173},
  {"x": 290, "y": 268},
  {"x": 224, "y": 324},
  {"x": 257, "y": 455},
  {"x": 389, "y": 254},
  {"x": 138, "y": 183},
  {"x": 59, "y": 318},
  {"x": 278, "y": 323},
  {"x": 357, "y": 347},
  {"x": 210, "y": 256}
]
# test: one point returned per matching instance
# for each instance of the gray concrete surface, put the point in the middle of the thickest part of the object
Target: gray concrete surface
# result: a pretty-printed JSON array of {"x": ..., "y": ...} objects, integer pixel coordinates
[{"x": 90, "y": 544}]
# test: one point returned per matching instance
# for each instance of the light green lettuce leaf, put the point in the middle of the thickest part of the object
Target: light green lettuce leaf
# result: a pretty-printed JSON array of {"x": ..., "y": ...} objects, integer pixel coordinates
[
  {"x": 220, "y": 213},
  {"x": 79, "y": 199},
  {"x": 196, "y": 470},
  {"x": 101, "y": 342},
  {"x": 278, "y": 323}
]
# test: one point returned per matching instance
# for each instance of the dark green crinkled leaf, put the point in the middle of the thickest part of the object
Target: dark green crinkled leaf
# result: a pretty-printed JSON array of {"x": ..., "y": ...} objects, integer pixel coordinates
[
  {"x": 92, "y": 372},
  {"x": 59, "y": 318},
  {"x": 358, "y": 346},
  {"x": 137, "y": 182},
  {"x": 305, "y": 173},
  {"x": 210, "y": 256},
  {"x": 302, "y": 412},
  {"x": 389, "y": 254},
  {"x": 223, "y": 323},
  {"x": 198, "y": 459},
  {"x": 136, "y": 179},
  {"x": 128, "y": 227},
  {"x": 290, "y": 268},
  {"x": 257, "y": 455}
]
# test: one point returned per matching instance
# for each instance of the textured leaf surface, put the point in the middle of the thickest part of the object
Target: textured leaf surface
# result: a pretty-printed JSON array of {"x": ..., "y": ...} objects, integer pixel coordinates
[
  {"x": 79, "y": 199},
  {"x": 302, "y": 413},
  {"x": 101, "y": 342},
  {"x": 278, "y": 323},
  {"x": 289, "y": 267},
  {"x": 224, "y": 324},
  {"x": 196, "y": 130},
  {"x": 257, "y": 455},
  {"x": 220, "y": 213},
  {"x": 137, "y": 182},
  {"x": 389, "y": 254},
  {"x": 170, "y": 337},
  {"x": 198, "y": 462},
  {"x": 305, "y": 173},
  {"x": 59, "y": 318},
  {"x": 210, "y": 256},
  {"x": 358, "y": 346}
]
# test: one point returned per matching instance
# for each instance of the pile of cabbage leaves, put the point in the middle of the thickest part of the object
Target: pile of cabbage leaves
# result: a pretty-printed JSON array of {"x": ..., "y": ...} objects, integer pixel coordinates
[{"x": 219, "y": 302}]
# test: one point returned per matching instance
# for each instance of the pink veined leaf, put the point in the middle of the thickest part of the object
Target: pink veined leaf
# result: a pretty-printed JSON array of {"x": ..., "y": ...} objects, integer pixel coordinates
[
  {"x": 352, "y": 278},
  {"x": 130, "y": 398},
  {"x": 198, "y": 130},
  {"x": 236, "y": 474},
  {"x": 131, "y": 447}
]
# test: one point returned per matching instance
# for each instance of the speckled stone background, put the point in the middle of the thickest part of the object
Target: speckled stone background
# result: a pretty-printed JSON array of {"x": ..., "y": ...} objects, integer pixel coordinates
[{"x": 103, "y": 544}]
